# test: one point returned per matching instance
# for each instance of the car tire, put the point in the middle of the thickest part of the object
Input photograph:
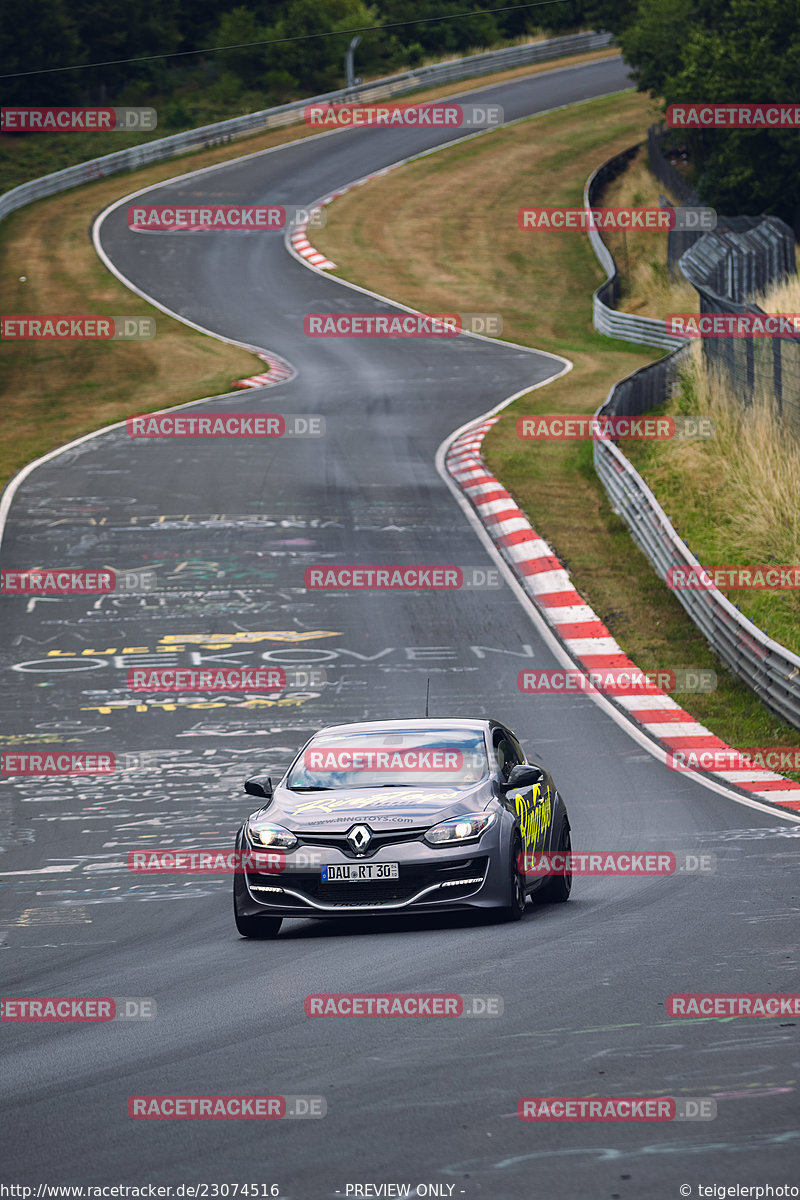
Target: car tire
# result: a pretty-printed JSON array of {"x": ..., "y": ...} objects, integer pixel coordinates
[
  {"x": 558, "y": 887},
  {"x": 516, "y": 886},
  {"x": 258, "y": 926}
]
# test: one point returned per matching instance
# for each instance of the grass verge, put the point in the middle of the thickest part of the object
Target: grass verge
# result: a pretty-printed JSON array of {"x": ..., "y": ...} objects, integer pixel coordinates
[
  {"x": 53, "y": 392},
  {"x": 453, "y": 244},
  {"x": 647, "y": 288},
  {"x": 733, "y": 498}
]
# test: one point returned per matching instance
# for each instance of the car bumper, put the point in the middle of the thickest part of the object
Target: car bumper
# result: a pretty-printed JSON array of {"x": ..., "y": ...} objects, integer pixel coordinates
[{"x": 428, "y": 881}]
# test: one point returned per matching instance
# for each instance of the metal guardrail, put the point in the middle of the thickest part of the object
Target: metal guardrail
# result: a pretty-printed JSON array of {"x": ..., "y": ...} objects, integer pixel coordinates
[
  {"x": 286, "y": 114},
  {"x": 743, "y": 255},
  {"x": 767, "y": 668},
  {"x": 645, "y": 331},
  {"x": 678, "y": 241}
]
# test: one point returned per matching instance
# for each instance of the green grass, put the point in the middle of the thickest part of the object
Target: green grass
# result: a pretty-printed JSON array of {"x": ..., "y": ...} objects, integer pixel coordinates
[{"x": 461, "y": 250}]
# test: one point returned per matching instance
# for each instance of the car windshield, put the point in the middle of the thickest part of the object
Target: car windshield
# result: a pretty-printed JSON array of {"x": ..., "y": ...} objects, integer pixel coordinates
[{"x": 456, "y": 757}]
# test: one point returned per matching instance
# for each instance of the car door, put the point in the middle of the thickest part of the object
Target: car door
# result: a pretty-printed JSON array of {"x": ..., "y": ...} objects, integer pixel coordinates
[
  {"x": 508, "y": 754},
  {"x": 533, "y": 804}
]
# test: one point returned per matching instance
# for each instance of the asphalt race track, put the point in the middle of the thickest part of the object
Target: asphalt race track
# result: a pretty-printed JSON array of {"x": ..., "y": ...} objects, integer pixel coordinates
[{"x": 229, "y": 527}]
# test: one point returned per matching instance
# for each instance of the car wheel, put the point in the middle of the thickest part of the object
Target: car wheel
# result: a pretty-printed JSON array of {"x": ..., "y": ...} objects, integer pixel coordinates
[
  {"x": 516, "y": 886},
  {"x": 257, "y": 926},
  {"x": 558, "y": 887}
]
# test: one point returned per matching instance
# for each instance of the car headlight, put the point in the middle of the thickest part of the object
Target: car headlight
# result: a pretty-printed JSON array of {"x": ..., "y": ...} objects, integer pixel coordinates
[
  {"x": 267, "y": 833},
  {"x": 460, "y": 829}
]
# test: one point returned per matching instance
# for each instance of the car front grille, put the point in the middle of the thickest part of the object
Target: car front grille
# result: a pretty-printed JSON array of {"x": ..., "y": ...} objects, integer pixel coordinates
[
  {"x": 338, "y": 841},
  {"x": 370, "y": 893},
  {"x": 374, "y": 891}
]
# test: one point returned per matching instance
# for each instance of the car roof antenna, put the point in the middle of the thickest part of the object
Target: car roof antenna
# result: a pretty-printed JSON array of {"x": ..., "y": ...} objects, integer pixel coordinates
[{"x": 428, "y": 696}]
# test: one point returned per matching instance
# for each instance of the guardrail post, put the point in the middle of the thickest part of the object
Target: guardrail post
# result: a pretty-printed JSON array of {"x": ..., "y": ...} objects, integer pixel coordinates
[{"x": 777, "y": 374}]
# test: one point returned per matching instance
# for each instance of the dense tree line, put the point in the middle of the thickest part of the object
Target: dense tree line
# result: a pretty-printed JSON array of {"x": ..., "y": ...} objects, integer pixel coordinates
[
  {"x": 680, "y": 50},
  {"x": 177, "y": 38},
  {"x": 717, "y": 51}
]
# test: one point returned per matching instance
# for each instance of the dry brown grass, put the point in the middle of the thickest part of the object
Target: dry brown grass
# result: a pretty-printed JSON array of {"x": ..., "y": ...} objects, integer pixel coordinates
[
  {"x": 648, "y": 290},
  {"x": 441, "y": 235},
  {"x": 733, "y": 498},
  {"x": 51, "y": 392},
  {"x": 442, "y": 232},
  {"x": 783, "y": 297},
  {"x": 746, "y": 477}
]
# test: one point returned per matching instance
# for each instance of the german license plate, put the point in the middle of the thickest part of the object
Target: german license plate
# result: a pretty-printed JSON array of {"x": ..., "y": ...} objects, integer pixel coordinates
[{"x": 359, "y": 872}]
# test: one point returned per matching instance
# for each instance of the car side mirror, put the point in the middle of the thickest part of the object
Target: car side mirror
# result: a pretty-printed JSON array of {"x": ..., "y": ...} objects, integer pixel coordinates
[
  {"x": 260, "y": 786},
  {"x": 522, "y": 775}
]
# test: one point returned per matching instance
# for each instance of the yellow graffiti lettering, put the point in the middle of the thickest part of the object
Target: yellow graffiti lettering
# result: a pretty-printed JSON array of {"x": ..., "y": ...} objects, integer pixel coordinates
[
  {"x": 148, "y": 706},
  {"x": 534, "y": 818},
  {"x": 221, "y": 640}
]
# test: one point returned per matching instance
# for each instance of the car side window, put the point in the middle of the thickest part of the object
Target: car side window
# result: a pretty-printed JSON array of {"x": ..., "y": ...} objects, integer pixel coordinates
[
  {"x": 517, "y": 748},
  {"x": 507, "y": 754}
]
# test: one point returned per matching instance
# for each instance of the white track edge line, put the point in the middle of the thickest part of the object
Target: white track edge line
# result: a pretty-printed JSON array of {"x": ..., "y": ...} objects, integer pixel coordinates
[
  {"x": 630, "y": 727},
  {"x": 10, "y": 489}
]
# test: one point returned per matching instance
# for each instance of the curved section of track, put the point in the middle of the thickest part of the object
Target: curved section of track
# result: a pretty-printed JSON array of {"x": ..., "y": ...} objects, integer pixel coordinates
[{"x": 229, "y": 528}]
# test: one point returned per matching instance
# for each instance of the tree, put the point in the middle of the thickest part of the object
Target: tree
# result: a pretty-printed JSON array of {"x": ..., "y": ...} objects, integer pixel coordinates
[
  {"x": 317, "y": 62},
  {"x": 39, "y": 35},
  {"x": 717, "y": 51},
  {"x": 111, "y": 32},
  {"x": 750, "y": 55},
  {"x": 250, "y": 63}
]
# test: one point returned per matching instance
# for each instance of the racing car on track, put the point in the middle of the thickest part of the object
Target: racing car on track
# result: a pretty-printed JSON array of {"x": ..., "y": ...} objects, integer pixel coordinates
[{"x": 387, "y": 817}]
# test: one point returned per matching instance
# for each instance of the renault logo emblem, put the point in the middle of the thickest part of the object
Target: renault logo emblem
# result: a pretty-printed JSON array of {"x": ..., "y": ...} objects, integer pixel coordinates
[{"x": 359, "y": 838}]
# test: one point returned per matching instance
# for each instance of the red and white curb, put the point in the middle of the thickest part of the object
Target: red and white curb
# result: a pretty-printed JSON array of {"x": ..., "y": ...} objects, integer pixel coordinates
[
  {"x": 298, "y": 239},
  {"x": 279, "y": 371},
  {"x": 586, "y": 639},
  {"x": 300, "y": 242}
]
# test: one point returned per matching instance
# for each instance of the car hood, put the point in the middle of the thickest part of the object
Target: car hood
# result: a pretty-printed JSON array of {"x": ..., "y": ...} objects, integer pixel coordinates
[{"x": 380, "y": 808}]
